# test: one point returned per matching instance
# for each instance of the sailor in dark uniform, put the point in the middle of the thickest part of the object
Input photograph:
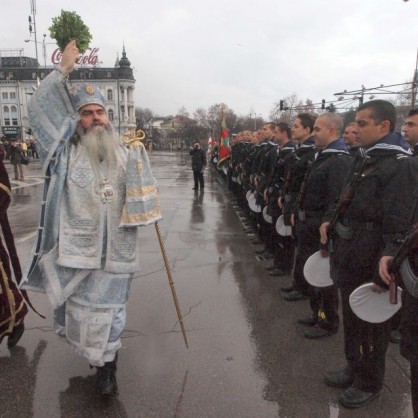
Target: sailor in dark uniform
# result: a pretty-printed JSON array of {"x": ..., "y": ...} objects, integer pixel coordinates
[
  {"x": 283, "y": 246},
  {"x": 323, "y": 187},
  {"x": 304, "y": 155},
  {"x": 361, "y": 229},
  {"x": 409, "y": 310}
]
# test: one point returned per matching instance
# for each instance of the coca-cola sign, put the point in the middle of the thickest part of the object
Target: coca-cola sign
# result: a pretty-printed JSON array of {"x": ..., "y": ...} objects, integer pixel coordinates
[{"x": 91, "y": 57}]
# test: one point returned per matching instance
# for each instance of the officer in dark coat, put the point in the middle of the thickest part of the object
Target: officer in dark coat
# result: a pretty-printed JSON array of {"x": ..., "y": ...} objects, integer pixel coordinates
[
  {"x": 198, "y": 165},
  {"x": 362, "y": 227}
]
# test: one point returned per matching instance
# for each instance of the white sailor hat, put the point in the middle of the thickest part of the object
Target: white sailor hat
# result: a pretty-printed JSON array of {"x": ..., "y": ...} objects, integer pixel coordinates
[
  {"x": 372, "y": 306},
  {"x": 281, "y": 228},
  {"x": 317, "y": 270},
  {"x": 85, "y": 94}
]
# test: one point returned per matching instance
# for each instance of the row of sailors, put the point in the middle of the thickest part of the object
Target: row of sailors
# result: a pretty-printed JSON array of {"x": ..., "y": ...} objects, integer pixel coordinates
[{"x": 349, "y": 194}]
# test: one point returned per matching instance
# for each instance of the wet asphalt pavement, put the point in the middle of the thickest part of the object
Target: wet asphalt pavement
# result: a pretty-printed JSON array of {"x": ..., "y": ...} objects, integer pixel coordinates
[{"x": 247, "y": 355}]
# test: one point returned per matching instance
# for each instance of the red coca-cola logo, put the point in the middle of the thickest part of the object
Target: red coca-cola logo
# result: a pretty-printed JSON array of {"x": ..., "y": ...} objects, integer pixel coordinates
[{"x": 91, "y": 57}]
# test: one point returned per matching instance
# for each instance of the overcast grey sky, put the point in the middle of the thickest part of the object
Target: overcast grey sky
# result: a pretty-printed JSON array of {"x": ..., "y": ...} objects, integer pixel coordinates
[{"x": 247, "y": 54}]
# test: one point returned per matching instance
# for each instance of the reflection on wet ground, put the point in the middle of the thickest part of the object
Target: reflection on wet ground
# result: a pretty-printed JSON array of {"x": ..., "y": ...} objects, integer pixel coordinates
[
  {"x": 81, "y": 389},
  {"x": 18, "y": 375}
]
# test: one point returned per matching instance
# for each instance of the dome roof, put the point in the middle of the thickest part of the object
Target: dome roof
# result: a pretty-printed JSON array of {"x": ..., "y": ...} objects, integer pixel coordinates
[{"x": 124, "y": 62}]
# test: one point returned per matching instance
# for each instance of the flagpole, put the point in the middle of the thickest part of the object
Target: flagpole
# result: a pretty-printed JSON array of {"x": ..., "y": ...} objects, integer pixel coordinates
[{"x": 222, "y": 119}]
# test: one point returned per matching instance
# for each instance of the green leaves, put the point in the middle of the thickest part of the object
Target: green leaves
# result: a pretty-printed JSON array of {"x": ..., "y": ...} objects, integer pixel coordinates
[{"x": 69, "y": 26}]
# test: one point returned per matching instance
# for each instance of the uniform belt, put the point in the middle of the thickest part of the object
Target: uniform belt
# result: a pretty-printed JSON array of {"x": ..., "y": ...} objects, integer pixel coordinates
[{"x": 346, "y": 231}]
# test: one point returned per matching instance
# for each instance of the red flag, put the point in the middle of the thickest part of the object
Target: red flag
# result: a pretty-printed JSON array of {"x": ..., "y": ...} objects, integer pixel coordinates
[{"x": 224, "y": 149}]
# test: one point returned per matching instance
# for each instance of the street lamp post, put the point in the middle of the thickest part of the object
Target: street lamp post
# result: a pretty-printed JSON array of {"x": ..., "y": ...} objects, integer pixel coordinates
[
  {"x": 44, "y": 44},
  {"x": 255, "y": 119}
]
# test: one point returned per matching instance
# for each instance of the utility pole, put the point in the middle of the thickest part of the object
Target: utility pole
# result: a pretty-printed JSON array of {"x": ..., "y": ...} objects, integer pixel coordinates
[
  {"x": 414, "y": 83},
  {"x": 33, "y": 29}
]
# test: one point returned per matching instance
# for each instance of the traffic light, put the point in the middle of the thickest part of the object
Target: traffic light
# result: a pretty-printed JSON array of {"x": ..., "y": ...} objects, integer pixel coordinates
[
  {"x": 323, "y": 104},
  {"x": 281, "y": 104}
]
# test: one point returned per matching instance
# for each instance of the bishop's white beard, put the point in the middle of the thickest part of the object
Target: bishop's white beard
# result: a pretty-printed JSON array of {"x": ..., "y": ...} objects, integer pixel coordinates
[{"x": 100, "y": 143}]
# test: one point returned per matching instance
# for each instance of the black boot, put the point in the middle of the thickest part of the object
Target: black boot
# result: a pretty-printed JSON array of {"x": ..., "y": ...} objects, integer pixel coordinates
[
  {"x": 106, "y": 384},
  {"x": 16, "y": 335}
]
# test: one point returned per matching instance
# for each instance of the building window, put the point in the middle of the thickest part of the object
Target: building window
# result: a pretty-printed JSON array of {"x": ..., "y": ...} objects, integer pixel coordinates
[
  {"x": 1, "y": 74},
  {"x": 13, "y": 95},
  {"x": 91, "y": 74},
  {"x": 13, "y": 115},
  {"x": 110, "y": 115},
  {"x": 5, "y": 96},
  {"x": 6, "y": 115},
  {"x": 34, "y": 75},
  {"x": 81, "y": 74},
  {"x": 42, "y": 75},
  {"x": 109, "y": 74},
  {"x": 10, "y": 76},
  {"x": 110, "y": 94}
]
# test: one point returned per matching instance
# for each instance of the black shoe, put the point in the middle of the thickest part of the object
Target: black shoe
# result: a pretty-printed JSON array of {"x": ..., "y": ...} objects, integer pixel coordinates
[
  {"x": 195, "y": 188},
  {"x": 289, "y": 288},
  {"x": 106, "y": 384},
  {"x": 278, "y": 273},
  {"x": 308, "y": 321},
  {"x": 356, "y": 398},
  {"x": 395, "y": 336},
  {"x": 255, "y": 242},
  {"x": 295, "y": 296},
  {"x": 271, "y": 268},
  {"x": 342, "y": 378},
  {"x": 16, "y": 335},
  {"x": 318, "y": 333}
]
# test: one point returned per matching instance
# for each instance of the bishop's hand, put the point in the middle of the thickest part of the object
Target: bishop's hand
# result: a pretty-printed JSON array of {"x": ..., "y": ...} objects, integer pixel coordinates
[{"x": 69, "y": 57}]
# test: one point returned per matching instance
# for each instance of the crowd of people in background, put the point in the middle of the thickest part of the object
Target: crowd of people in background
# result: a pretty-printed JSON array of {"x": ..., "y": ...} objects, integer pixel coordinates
[
  {"x": 18, "y": 152},
  {"x": 28, "y": 148},
  {"x": 349, "y": 193}
]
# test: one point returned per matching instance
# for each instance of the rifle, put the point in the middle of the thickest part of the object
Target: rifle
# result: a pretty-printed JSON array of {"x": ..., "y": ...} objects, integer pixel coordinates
[
  {"x": 302, "y": 190},
  {"x": 288, "y": 178},
  {"x": 409, "y": 244},
  {"x": 348, "y": 193}
]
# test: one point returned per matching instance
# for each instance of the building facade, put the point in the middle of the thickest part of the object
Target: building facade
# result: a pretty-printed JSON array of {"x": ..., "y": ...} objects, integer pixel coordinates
[{"x": 20, "y": 76}]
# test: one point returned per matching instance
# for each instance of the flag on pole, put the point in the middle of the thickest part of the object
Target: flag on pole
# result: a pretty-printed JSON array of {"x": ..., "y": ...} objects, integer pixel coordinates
[
  {"x": 224, "y": 149},
  {"x": 211, "y": 143}
]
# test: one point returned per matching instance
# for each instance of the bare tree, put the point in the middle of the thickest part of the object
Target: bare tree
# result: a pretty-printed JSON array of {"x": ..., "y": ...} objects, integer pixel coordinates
[
  {"x": 214, "y": 118},
  {"x": 201, "y": 117},
  {"x": 291, "y": 106},
  {"x": 143, "y": 117},
  {"x": 183, "y": 112}
]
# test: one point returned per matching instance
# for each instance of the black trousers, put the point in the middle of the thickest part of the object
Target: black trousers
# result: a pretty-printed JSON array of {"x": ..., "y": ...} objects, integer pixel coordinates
[
  {"x": 365, "y": 344},
  {"x": 198, "y": 179},
  {"x": 321, "y": 299},
  {"x": 284, "y": 249},
  {"x": 414, "y": 387},
  {"x": 409, "y": 341}
]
